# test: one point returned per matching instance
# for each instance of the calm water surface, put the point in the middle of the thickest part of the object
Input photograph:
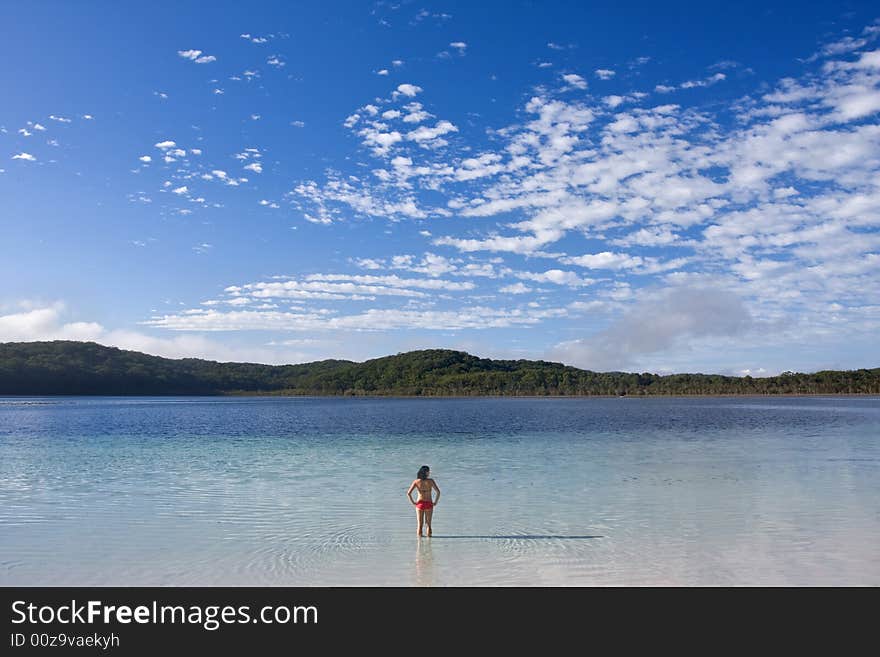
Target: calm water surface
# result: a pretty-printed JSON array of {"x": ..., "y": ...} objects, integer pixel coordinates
[{"x": 310, "y": 491}]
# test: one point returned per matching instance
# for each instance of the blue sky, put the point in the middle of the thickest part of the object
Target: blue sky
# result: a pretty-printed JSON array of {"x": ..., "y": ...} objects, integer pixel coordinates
[{"x": 618, "y": 186}]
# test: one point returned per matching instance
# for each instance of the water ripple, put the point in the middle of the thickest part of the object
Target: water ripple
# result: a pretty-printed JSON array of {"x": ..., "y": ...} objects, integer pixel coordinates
[{"x": 311, "y": 491}]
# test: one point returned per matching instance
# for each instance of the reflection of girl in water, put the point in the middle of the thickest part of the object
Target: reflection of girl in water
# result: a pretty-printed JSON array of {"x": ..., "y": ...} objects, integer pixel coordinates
[
  {"x": 424, "y": 505},
  {"x": 424, "y": 564}
]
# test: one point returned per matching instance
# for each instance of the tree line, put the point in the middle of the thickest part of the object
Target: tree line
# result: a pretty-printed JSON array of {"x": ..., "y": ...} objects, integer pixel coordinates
[{"x": 86, "y": 368}]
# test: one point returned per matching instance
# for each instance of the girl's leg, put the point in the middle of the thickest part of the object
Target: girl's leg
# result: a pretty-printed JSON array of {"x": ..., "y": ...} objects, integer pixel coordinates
[
  {"x": 420, "y": 514},
  {"x": 429, "y": 513}
]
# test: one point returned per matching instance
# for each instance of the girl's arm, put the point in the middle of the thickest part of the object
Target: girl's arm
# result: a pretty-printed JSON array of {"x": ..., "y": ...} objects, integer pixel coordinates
[
  {"x": 436, "y": 488},
  {"x": 412, "y": 487}
]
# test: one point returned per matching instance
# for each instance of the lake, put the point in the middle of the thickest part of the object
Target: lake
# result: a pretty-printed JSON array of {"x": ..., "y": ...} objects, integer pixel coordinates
[{"x": 537, "y": 491}]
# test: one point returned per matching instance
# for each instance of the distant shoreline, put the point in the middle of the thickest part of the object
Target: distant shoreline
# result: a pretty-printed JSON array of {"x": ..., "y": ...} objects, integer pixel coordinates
[
  {"x": 89, "y": 369},
  {"x": 380, "y": 396},
  {"x": 635, "y": 396}
]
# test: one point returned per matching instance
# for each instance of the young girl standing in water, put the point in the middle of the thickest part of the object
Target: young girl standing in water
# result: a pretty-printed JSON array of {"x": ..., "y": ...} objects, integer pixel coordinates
[{"x": 424, "y": 505}]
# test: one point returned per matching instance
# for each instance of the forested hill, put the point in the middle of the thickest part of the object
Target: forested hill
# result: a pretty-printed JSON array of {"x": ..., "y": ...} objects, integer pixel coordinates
[{"x": 87, "y": 368}]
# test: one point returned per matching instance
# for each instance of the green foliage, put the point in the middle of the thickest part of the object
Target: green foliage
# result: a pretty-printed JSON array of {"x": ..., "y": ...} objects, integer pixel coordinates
[{"x": 86, "y": 368}]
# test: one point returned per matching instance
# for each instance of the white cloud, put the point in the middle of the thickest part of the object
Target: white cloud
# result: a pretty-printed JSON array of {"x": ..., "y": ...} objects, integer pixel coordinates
[
  {"x": 604, "y": 260},
  {"x": 604, "y": 73},
  {"x": 24, "y": 156},
  {"x": 717, "y": 77},
  {"x": 430, "y": 136},
  {"x": 276, "y": 61},
  {"x": 844, "y": 45},
  {"x": 165, "y": 145},
  {"x": 515, "y": 288},
  {"x": 647, "y": 237},
  {"x": 60, "y": 119},
  {"x": 430, "y": 264},
  {"x": 48, "y": 322},
  {"x": 574, "y": 81},
  {"x": 657, "y": 324},
  {"x": 555, "y": 276},
  {"x": 514, "y": 244},
  {"x": 415, "y": 113},
  {"x": 380, "y": 142},
  {"x": 614, "y": 101},
  {"x": 196, "y": 56},
  {"x": 344, "y": 192},
  {"x": 181, "y": 190},
  {"x": 407, "y": 89},
  {"x": 691, "y": 84},
  {"x": 43, "y": 324},
  {"x": 145, "y": 158},
  {"x": 460, "y": 46},
  {"x": 382, "y": 71},
  {"x": 256, "y": 167},
  {"x": 373, "y": 319},
  {"x": 369, "y": 263},
  {"x": 393, "y": 281},
  {"x": 256, "y": 39}
]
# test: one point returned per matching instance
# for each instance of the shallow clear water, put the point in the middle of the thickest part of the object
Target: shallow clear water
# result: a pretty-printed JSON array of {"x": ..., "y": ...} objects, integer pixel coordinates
[{"x": 310, "y": 491}]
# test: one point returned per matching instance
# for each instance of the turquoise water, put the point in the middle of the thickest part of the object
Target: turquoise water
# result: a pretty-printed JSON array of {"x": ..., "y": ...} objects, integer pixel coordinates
[{"x": 310, "y": 491}]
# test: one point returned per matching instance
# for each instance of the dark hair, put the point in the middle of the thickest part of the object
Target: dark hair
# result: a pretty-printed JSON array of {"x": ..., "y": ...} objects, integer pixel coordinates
[{"x": 423, "y": 472}]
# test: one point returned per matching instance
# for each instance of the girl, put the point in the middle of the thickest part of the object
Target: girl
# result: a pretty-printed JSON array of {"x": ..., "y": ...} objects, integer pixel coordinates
[{"x": 424, "y": 505}]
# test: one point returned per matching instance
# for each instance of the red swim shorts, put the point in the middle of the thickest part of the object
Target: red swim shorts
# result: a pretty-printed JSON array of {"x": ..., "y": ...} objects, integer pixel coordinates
[{"x": 424, "y": 505}]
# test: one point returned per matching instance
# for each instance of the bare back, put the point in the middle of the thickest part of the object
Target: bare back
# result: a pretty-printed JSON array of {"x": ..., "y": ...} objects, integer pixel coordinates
[{"x": 424, "y": 487}]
